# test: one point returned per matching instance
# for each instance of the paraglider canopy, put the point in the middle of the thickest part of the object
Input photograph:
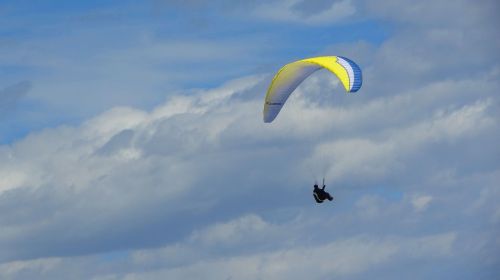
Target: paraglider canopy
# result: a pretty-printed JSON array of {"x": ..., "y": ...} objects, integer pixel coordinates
[{"x": 291, "y": 75}]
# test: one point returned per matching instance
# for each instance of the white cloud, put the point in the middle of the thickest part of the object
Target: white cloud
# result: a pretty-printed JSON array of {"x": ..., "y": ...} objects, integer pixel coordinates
[
  {"x": 344, "y": 257},
  {"x": 434, "y": 13},
  {"x": 287, "y": 264},
  {"x": 41, "y": 266},
  {"x": 380, "y": 154},
  {"x": 421, "y": 202},
  {"x": 232, "y": 232},
  {"x": 10, "y": 179},
  {"x": 292, "y": 11}
]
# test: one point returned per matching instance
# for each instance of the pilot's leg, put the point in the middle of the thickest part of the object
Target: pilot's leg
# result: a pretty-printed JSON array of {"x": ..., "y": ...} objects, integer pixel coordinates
[
  {"x": 322, "y": 195},
  {"x": 329, "y": 197},
  {"x": 317, "y": 198}
]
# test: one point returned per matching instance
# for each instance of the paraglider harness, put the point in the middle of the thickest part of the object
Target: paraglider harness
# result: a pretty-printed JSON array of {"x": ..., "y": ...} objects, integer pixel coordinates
[{"x": 320, "y": 194}]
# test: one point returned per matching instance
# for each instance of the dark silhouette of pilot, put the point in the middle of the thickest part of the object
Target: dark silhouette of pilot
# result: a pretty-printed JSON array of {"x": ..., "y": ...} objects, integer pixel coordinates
[{"x": 321, "y": 194}]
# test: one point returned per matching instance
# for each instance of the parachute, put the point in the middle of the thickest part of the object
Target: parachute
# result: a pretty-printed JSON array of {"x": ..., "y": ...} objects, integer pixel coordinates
[{"x": 291, "y": 75}]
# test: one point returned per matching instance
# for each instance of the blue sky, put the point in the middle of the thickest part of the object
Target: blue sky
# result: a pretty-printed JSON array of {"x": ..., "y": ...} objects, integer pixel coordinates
[{"x": 132, "y": 144}]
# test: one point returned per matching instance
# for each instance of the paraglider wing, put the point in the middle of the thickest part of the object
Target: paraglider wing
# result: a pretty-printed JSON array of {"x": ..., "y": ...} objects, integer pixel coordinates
[{"x": 291, "y": 75}]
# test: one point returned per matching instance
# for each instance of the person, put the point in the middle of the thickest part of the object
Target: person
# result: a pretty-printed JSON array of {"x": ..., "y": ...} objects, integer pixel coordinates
[{"x": 320, "y": 194}]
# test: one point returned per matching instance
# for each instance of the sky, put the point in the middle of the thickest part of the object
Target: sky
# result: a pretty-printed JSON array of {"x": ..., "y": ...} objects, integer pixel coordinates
[{"x": 132, "y": 144}]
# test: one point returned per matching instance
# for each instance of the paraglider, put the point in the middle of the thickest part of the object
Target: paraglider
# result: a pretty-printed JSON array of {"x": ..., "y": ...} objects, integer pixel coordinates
[{"x": 291, "y": 75}]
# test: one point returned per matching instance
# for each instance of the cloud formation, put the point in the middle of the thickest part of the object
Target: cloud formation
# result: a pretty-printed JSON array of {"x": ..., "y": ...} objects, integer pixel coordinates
[{"x": 306, "y": 12}]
